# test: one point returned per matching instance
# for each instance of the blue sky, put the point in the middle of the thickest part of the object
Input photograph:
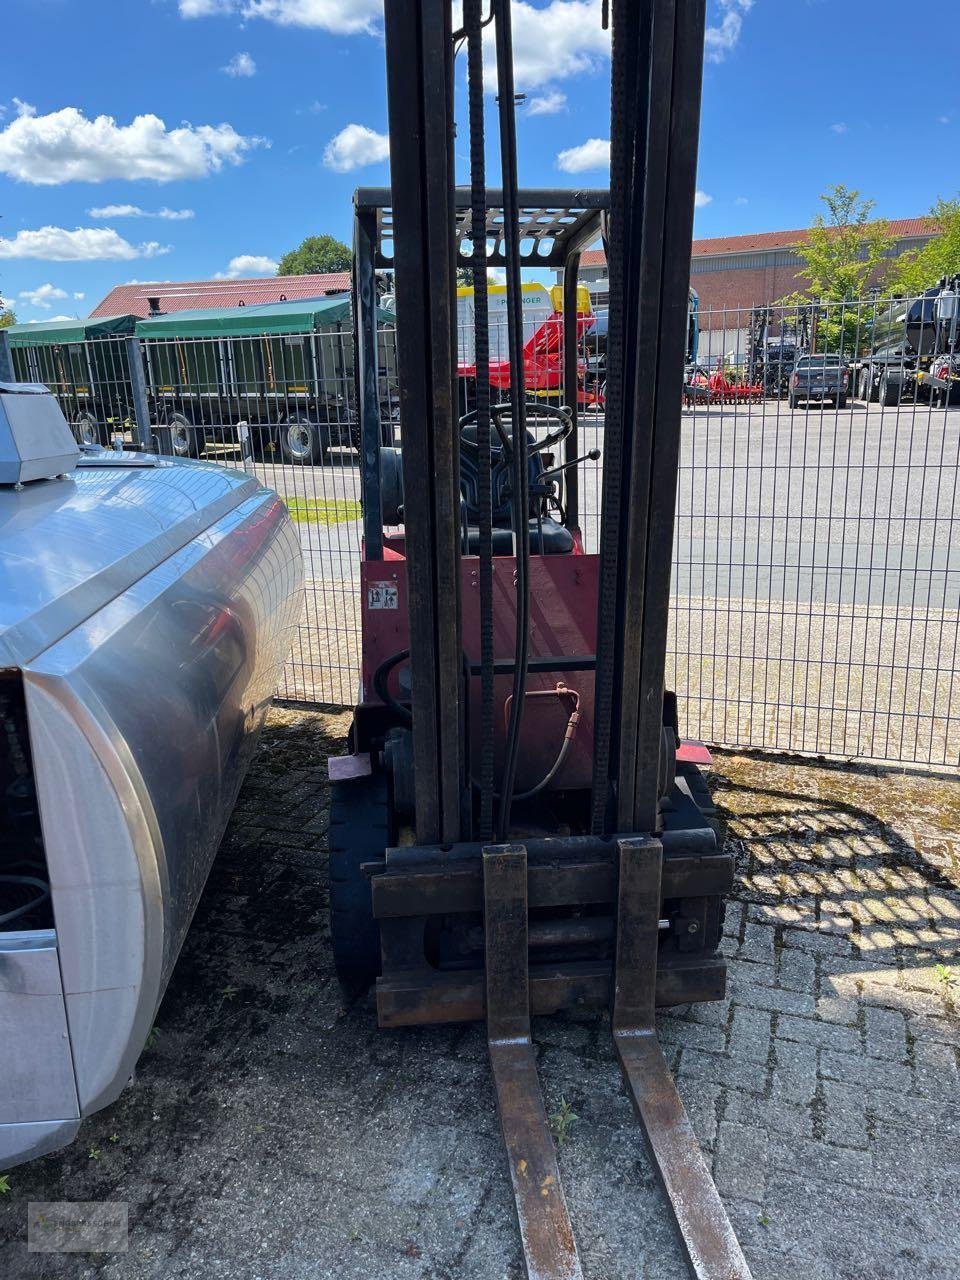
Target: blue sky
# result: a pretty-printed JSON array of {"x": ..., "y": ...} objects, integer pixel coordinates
[{"x": 257, "y": 99}]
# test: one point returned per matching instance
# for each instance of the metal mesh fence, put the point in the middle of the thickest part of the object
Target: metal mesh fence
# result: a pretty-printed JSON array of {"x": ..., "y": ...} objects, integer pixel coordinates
[
  {"x": 816, "y": 574},
  {"x": 816, "y": 569}
]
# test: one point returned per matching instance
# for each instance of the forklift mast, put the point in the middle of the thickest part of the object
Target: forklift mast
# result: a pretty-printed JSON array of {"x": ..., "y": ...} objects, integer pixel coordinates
[{"x": 519, "y": 828}]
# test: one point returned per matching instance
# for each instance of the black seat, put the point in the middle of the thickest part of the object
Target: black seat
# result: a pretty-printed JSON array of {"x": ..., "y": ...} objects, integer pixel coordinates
[{"x": 556, "y": 540}]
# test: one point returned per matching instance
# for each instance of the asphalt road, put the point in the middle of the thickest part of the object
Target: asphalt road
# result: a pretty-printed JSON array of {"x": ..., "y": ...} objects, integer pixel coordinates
[{"x": 852, "y": 507}]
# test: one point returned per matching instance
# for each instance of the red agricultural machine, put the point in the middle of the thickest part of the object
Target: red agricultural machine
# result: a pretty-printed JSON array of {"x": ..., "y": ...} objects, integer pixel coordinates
[
  {"x": 543, "y": 366},
  {"x": 518, "y": 828}
]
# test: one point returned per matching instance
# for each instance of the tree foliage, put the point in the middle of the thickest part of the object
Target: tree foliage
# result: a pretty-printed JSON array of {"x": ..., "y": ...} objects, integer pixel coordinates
[
  {"x": 919, "y": 269},
  {"x": 843, "y": 254},
  {"x": 7, "y": 318},
  {"x": 316, "y": 255}
]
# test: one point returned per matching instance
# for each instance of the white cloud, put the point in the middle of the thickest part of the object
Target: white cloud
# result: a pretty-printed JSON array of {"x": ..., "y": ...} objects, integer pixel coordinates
[
  {"x": 592, "y": 154},
  {"x": 343, "y": 17},
  {"x": 555, "y": 41},
  {"x": 134, "y": 211},
  {"x": 85, "y": 244},
  {"x": 550, "y": 104},
  {"x": 723, "y": 39},
  {"x": 65, "y": 146},
  {"x": 840, "y": 127},
  {"x": 5, "y": 304},
  {"x": 43, "y": 296},
  {"x": 943, "y": 119},
  {"x": 741, "y": 200},
  {"x": 700, "y": 199},
  {"x": 241, "y": 64},
  {"x": 355, "y": 146},
  {"x": 248, "y": 264},
  {"x": 79, "y": 296},
  {"x": 54, "y": 319}
]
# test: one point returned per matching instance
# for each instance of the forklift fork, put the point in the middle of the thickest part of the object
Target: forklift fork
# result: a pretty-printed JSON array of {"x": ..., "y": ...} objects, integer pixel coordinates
[{"x": 550, "y": 1251}]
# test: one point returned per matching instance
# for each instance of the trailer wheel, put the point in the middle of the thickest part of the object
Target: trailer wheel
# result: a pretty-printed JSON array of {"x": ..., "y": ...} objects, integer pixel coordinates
[
  {"x": 865, "y": 386},
  {"x": 889, "y": 391},
  {"x": 184, "y": 441},
  {"x": 300, "y": 440},
  {"x": 86, "y": 428},
  {"x": 358, "y": 834}
]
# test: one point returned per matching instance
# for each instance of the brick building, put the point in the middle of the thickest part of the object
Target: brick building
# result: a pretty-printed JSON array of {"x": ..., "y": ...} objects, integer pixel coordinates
[{"x": 740, "y": 272}]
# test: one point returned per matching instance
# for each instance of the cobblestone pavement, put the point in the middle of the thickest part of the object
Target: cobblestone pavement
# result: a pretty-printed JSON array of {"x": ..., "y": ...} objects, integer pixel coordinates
[{"x": 273, "y": 1132}]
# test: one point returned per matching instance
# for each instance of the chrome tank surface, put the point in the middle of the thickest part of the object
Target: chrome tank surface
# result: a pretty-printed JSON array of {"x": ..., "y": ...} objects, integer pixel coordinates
[{"x": 146, "y": 609}]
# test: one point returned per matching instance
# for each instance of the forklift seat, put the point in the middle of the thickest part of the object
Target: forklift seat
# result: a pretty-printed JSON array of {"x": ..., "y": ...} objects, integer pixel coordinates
[{"x": 557, "y": 540}]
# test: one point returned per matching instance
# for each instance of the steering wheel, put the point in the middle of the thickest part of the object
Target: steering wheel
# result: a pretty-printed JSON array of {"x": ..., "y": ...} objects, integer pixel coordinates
[{"x": 534, "y": 409}]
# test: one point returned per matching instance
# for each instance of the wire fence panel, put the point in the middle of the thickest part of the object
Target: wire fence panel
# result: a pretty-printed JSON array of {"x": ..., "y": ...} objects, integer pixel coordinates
[
  {"x": 816, "y": 575},
  {"x": 816, "y": 566}
]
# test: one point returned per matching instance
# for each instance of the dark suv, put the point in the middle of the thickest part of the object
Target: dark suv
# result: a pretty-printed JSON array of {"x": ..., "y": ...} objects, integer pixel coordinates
[{"x": 819, "y": 378}]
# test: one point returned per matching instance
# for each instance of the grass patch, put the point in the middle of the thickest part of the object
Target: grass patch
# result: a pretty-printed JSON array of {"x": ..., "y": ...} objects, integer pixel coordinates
[{"x": 322, "y": 510}]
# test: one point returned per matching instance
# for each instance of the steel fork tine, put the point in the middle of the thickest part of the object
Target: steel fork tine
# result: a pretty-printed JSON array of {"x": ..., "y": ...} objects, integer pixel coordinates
[
  {"x": 549, "y": 1248},
  {"x": 709, "y": 1244}
]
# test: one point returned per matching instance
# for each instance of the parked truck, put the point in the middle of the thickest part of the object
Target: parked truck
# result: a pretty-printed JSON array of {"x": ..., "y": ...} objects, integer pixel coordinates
[{"x": 914, "y": 349}]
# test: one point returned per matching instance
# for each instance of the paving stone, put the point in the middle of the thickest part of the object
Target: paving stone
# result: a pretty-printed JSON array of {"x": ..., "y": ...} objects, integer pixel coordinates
[
  {"x": 758, "y": 943},
  {"x": 719, "y": 1069},
  {"x": 796, "y": 970},
  {"x": 870, "y": 1072},
  {"x": 886, "y": 1033},
  {"x": 773, "y": 998},
  {"x": 844, "y": 1117},
  {"x": 825, "y": 1035},
  {"x": 750, "y": 1034},
  {"x": 740, "y": 1162},
  {"x": 824, "y": 944}
]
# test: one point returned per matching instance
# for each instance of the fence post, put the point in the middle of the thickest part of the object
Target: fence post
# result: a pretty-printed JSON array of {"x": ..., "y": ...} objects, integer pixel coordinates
[
  {"x": 6, "y": 358},
  {"x": 138, "y": 387}
]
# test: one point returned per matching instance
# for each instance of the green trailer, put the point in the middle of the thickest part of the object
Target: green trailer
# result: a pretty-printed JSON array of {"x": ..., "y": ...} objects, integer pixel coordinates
[
  {"x": 283, "y": 371},
  {"x": 85, "y": 364}
]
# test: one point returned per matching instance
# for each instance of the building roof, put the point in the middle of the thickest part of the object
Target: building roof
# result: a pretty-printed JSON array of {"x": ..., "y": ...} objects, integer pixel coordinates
[
  {"x": 900, "y": 229},
  {"x": 192, "y": 295}
]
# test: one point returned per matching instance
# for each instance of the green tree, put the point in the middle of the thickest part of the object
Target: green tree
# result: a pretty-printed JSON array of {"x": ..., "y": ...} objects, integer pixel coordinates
[
  {"x": 919, "y": 269},
  {"x": 7, "y": 318},
  {"x": 844, "y": 252},
  {"x": 314, "y": 256}
]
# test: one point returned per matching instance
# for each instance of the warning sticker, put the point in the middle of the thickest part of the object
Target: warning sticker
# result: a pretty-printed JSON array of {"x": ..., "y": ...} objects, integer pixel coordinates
[{"x": 382, "y": 595}]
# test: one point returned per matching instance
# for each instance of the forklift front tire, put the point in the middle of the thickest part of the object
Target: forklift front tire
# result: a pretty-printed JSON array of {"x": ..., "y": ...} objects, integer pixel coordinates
[{"x": 358, "y": 834}]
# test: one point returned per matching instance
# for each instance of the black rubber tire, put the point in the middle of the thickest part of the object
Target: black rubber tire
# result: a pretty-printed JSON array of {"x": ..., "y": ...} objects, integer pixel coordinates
[
  {"x": 889, "y": 392},
  {"x": 302, "y": 441},
  {"x": 186, "y": 439},
  {"x": 865, "y": 386},
  {"x": 86, "y": 428},
  {"x": 358, "y": 834}
]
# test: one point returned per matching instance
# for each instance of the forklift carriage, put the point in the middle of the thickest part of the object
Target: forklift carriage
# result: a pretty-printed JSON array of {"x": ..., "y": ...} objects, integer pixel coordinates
[{"x": 518, "y": 828}]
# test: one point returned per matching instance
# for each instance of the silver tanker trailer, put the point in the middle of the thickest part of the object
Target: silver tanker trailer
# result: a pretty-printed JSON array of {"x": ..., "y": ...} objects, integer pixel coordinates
[{"x": 146, "y": 608}]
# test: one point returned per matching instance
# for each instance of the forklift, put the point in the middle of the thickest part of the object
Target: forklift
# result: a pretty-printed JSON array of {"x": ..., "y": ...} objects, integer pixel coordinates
[{"x": 518, "y": 828}]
